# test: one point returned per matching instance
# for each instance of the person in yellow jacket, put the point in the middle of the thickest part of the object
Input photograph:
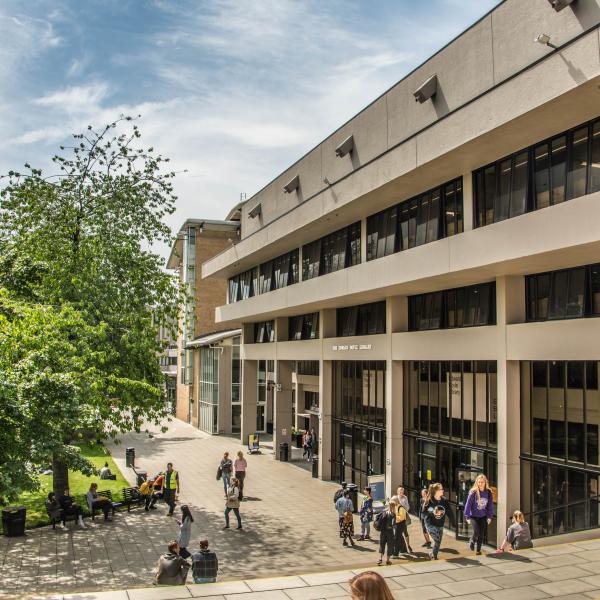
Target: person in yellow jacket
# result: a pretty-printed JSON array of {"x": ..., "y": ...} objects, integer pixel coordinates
[
  {"x": 150, "y": 498},
  {"x": 170, "y": 487}
]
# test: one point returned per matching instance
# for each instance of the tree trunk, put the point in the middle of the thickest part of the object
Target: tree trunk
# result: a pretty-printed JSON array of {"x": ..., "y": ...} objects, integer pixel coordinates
[{"x": 60, "y": 476}]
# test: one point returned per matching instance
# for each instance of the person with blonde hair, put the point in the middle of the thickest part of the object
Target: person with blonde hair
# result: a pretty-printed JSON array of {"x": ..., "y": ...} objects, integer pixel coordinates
[
  {"x": 479, "y": 510},
  {"x": 385, "y": 523},
  {"x": 436, "y": 508},
  {"x": 370, "y": 586},
  {"x": 518, "y": 535}
]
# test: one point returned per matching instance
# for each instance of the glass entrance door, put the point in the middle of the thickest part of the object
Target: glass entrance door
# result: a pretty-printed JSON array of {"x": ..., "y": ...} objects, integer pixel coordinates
[
  {"x": 261, "y": 418},
  {"x": 465, "y": 478}
]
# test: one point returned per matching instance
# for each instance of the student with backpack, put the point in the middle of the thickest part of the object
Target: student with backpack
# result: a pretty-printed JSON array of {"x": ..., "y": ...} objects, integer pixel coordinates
[
  {"x": 436, "y": 508},
  {"x": 385, "y": 523},
  {"x": 366, "y": 515}
]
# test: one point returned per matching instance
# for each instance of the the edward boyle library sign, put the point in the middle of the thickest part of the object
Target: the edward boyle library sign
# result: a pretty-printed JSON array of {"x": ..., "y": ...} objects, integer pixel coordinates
[{"x": 346, "y": 347}]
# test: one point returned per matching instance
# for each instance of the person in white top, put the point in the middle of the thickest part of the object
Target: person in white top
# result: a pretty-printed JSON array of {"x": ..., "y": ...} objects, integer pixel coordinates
[{"x": 239, "y": 466}]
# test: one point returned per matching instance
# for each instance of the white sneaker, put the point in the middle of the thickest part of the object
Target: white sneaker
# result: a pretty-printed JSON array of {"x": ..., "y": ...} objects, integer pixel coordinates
[
  {"x": 63, "y": 526},
  {"x": 82, "y": 524}
]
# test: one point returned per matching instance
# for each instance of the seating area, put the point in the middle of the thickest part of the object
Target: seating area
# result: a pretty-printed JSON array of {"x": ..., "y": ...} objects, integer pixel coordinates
[{"x": 131, "y": 497}]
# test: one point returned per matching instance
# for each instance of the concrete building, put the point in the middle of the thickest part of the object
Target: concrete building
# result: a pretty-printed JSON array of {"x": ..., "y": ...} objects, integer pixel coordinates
[
  {"x": 440, "y": 260},
  {"x": 168, "y": 363},
  {"x": 207, "y": 361}
]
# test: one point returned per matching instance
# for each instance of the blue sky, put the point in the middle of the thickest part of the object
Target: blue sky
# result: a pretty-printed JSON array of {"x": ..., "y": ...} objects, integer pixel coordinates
[{"x": 232, "y": 91}]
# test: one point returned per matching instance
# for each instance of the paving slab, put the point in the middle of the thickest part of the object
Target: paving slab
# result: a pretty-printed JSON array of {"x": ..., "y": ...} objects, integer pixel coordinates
[
  {"x": 331, "y": 590},
  {"x": 471, "y": 573},
  {"x": 219, "y": 588},
  {"x": 171, "y": 592},
  {"x": 427, "y": 592},
  {"x": 113, "y": 595},
  {"x": 523, "y": 593},
  {"x": 275, "y": 583},
  {"x": 560, "y": 560},
  {"x": 566, "y": 586},
  {"x": 558, "y": 573},
  {"x": 268, "y": 595},
  {"x": 331, "y": 577},
  {"x": 421, "y": 579},
  {"x": 458, "y": 588}
]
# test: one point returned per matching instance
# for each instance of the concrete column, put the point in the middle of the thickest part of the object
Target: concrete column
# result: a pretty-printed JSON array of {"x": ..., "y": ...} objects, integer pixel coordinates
[
  {"x": 468, "y": 201},
  {"x": 394, "y": 460},
  {"x": 282, "y": 405},
  {"x": 325, "y": 404},
  {"x": 363, "y": 240},
  {"x": 281, "y": 329},
  {"x": 510, "y": 308},
  {"x": 327, "y": 323},
  {"x": 249, "y": 398},
  {"x": 397, "y": 314}
]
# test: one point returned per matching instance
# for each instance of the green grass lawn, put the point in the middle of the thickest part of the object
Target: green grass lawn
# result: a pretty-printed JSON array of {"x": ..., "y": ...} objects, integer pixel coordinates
[{"x": 79, "y": 485}]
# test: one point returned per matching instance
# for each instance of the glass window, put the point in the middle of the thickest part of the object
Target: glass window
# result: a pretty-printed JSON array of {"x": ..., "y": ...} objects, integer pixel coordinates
[
  {"x": 366, "y": 319},
  {"x": 558, "y": 170},
  {"x": 595, "y": 289},
  {"x": 518, "y": 201},
  {"x": 502, "y": 207},
  {"x": 594, "y": 177},
  {"x": 579, "y": 162}
]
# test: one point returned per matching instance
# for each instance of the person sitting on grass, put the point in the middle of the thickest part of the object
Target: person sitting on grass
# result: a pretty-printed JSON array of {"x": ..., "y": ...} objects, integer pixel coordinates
[
  {"x": 105, "y": 473},
  {"x": 204, "y": 564},
  {"x": 96, "y": 501},
  {"x": 70, "y": 507},
  {"x": 172, "y": 569}
]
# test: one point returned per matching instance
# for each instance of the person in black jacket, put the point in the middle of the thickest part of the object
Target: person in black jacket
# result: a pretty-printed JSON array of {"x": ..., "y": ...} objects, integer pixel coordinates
[
  {"x": 436, "y": 508},
  {"x": 386, "y": 521}
]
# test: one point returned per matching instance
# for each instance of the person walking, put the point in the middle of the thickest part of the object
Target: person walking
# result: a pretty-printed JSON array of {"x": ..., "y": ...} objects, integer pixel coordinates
[
  {"x": 370, "y": 586},
  {"x": 170, "y": 488},
  {"x": 305, "y": 443},
  {"x": 436, "y": 509},
  {"x": 366, "y": 515},
  {"x": 479, "y": 510},
  {"x": 518, "y": 536},
  {"x": 402, "y": 523},
  {"x": 344, "y": 504},
  {"x": 239, "y": 466},
  {"x": 310, "y": 445},
  {"x": 422, "y": 502},
  {"x": 347, "y": 529},
  {"x": 205, "y": 564},
  {"x": 385, "y": 523},
  {"x": 185, "y": 531},
  {"x": 172, "y": 569},
  {"x": 233, "y": 503},
  {"x": 226, "y": 467}
]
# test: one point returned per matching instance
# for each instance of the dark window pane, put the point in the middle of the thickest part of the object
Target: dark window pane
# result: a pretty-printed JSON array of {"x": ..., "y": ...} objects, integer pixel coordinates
[
  {"x": 518, "y": 201},
  {"x": 434, "y": 217},
  {"x": 558, "y": 169},
  {"x": 579, "y": 162},
  {"x": 595, "y": 164},
  {"x": 558, "y": 295},
  {"x": 412, "y": 222},
  {"x": 542, "y": 176},
  {"x": 591, "y": 375},
  {"x": 450, "y": 301},
  {"x": 422, "y": 216},
  {"x": 450, "y": 209},
  {"x": 543, "y": 295},
  {"x": 530, "y": 283},
  {"x": 503, "y": 199},
  {"x": 576, "y": 297},
  {"x": 557, "y": 375},
  {"x": 595, "y": 289},
  {"x": 459, "y": 206},
  {"x": 479, "y": 199},
  {"x": 404, "y": 225},
  {"x": 490, "y": 193}
]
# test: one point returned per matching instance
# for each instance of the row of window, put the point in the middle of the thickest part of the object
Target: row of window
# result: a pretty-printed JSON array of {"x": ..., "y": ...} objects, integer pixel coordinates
[
  {"x": 336, "y": 251},
  {"x": 565, "y": 294},
  {"x": 425, "y": 218},
  {"x": 563, "y": 167},
  {"x": 460, "y": 307},
  {"x": 304, "y": 327},
  {"x": 365, "y": 319}
]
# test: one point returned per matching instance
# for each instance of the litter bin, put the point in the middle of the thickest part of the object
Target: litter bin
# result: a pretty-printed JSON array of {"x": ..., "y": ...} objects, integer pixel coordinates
[
  {"x": 353, "y": 493},
  {"x": 13, "y": 521},
  {"x": 141, "y": 477},
  {"x": 284, "y": 452},
  {"x": 315, "y": 466},
  {"x": 130, "y": 457}
]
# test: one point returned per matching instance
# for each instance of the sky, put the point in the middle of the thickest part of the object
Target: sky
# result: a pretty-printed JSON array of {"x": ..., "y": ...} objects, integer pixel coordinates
[{"x": 232, "y": 91}]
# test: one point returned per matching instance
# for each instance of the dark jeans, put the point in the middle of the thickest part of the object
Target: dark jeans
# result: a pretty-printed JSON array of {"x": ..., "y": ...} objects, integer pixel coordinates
[
  {"x": 104, "y": 505},
  {"x": 236, "y": 512},
  {"x": 169, "y": 498},
  {"x": 73, "y": 510},
  {"x": 240, "y": 476},
  {"x": 436, "y": 534},
  {"x": 151, "y": 500},
  {"x": 386, "y": 542},
  {"x": 400, "y": 537},
  {"x": 183, "y": 552},
  {"x": 479, "y": 525}
]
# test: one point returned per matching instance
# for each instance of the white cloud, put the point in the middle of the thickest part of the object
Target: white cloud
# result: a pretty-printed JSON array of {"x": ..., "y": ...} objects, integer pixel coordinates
[{"x": 74, "y": 99}]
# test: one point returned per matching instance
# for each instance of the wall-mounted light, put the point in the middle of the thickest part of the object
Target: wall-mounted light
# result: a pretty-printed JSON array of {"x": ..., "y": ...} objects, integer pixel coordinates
[
  {"x": 426, "y": 90},
  {"x": 345, "y": 147},
  {"x": 544, "y": 40},
  {"x": 558, "y": 5},
  {"x": 254, "y": 212},
  {"x": 292, "y": 184}
]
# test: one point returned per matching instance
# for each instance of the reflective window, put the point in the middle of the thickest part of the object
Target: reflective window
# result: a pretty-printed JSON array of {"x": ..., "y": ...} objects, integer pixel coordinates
[
  {"x": 366, "y": 319},
  {"x": 428, "y": 217},
  {"x": 264, "y": 332},
  {"x": 336, "y": 251},
  {"x": 550, "y": 172},
  {"x": 461, "y": 307},
  {"x": 566, "y": 294},
  {"x": 303, "y": 327}
]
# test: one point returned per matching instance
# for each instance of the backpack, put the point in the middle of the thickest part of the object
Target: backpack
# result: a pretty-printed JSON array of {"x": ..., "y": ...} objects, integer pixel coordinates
[
  {"x": 401, "y": 514},
  {"x": 338, "y": 495},
  {"x": 378, "y": 519}
]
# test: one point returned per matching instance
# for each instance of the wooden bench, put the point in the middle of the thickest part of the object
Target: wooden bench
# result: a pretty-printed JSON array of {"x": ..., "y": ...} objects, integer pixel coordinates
[
  {"x": 54, "y": 519},
  {"x": 132, "y": 496},
  {"x": 106, "y": 494}
]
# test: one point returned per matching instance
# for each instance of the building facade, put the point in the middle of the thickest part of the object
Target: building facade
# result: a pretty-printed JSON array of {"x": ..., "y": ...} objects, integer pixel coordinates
[
  {"x": 207, "y": 362},
  {"x": 439, "y": 261}
]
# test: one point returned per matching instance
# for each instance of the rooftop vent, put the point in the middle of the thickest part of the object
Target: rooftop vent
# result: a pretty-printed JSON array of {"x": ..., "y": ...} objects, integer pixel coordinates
[
  {"x": 345, "y": 147},
  {"x": 426, "y": 90},
  {"x": 292, "y": 184}
]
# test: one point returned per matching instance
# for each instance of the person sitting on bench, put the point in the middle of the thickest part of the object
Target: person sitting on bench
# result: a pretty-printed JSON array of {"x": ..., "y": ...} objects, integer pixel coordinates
[
  {"x": 147, "y": 492},
  {"x": 70, "y": 507},
  {"x": 95, "y": 501}
]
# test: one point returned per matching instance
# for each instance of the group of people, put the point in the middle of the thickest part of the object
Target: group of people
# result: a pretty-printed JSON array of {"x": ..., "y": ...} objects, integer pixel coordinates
[
  {"x": 173, "y": 568},
  {"x": 165, "y": 486},
  {"x": 233, "y": 474},
  {"x": 64, "y": 506},
  {"x": 392, "y": 523}
]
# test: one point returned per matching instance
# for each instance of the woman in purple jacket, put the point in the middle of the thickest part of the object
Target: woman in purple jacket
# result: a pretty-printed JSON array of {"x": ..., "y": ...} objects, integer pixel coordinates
[{"x": 479, "y": 511}]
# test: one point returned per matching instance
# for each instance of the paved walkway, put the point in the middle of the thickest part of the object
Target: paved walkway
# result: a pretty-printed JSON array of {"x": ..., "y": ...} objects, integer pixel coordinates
[
  {"x": 290, "y": 525},
  {"x": 563, "y": 572}
]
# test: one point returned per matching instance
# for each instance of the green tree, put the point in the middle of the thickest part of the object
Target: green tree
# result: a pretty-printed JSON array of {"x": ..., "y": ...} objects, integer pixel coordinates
[{"x": 82, "y": 238}]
